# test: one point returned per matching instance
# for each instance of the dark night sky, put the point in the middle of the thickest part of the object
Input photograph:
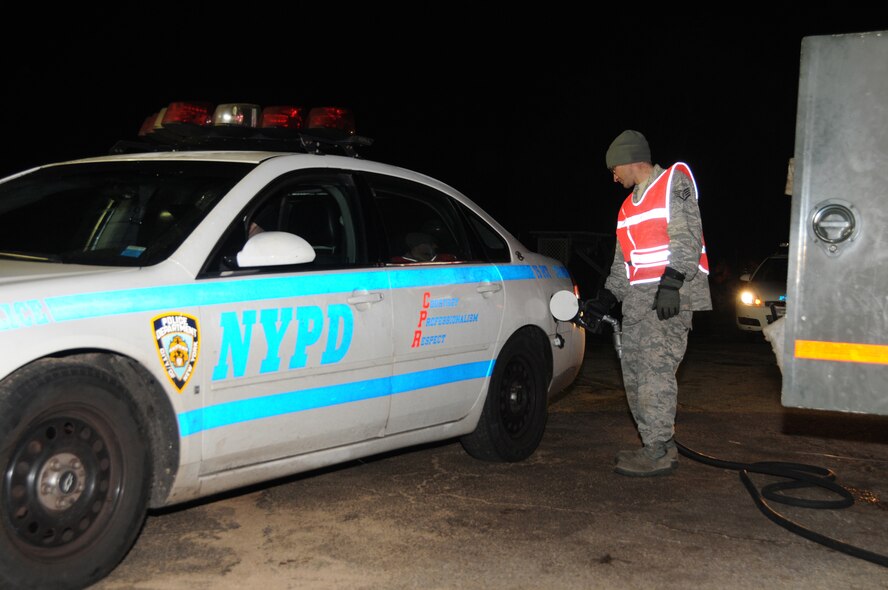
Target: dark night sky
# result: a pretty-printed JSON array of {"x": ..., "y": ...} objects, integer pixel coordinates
[{"x": 514, "y": 110}]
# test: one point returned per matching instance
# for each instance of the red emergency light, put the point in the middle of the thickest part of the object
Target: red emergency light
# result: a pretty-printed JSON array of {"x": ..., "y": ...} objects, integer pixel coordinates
[
  {"x": 331, "y": 118},
  {"x": 191, "y": 113},
  {"x": 283, "y": 117}
]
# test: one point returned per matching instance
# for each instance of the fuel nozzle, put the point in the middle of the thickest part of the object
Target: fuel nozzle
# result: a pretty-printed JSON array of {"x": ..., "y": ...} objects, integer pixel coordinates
[
  {"x": 618, "y": 334},
  {"x": 566, "y": 307}
]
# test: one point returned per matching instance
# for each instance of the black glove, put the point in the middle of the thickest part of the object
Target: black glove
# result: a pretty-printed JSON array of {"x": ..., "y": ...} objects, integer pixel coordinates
[
  {"x": 596, "y": 308},
  {"x": 667, "y": 302}
]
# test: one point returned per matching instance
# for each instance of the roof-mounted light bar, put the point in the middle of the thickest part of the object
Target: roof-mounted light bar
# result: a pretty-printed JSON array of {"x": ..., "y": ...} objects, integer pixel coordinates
[
  {"x": 247, "y": 115},
  {"x": 200, "y": 125}
]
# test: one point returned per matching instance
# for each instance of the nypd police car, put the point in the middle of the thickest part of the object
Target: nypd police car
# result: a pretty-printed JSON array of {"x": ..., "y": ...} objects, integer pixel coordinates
[{"x": 179, "y": 321}]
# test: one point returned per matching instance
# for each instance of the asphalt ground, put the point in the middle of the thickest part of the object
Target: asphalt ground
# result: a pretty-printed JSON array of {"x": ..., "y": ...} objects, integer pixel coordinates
[{"x": 433, "y": 517}]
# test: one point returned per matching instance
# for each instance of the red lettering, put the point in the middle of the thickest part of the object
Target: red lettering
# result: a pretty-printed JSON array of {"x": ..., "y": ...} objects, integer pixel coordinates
[
  {"x": 417, "y": 336},
  {"x": 425, "y": 300},
  {"x": 423, "y": 316}
]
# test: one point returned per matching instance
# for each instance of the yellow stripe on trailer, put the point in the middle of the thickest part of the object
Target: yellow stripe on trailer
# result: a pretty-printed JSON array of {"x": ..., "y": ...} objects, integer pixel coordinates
[{"x": 846, "y": 352}]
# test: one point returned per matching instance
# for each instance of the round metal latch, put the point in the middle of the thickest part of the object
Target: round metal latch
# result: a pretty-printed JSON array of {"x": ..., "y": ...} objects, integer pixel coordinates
[{"x": 833, "y": 224}]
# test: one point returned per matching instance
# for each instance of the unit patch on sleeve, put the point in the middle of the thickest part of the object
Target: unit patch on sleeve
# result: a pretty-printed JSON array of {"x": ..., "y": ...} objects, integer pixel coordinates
[{"x": 177, "y": 338}]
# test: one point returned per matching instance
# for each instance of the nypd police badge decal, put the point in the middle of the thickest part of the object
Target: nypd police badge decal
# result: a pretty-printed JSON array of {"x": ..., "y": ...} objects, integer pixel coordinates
[{"x": 178, "y": 342}]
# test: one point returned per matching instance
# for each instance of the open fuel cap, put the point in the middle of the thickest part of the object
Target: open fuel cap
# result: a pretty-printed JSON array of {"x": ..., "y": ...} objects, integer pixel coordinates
[{"x": 564, "y": 306}]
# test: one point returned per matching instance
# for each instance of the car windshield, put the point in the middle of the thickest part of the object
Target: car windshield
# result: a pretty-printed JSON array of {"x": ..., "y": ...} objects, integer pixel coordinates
[
  {"x": 128, "y": 213},
  {"x": 772, "y": 270}
]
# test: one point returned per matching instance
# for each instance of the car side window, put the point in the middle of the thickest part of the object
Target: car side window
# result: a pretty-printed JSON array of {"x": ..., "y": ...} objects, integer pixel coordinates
[
  {"x": 321, "y": 209},
  {"x": 419, "y": 223},
  {"x": 494, "y": 246}
]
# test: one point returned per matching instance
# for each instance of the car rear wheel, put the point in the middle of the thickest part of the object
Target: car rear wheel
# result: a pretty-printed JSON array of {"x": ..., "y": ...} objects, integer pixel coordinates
[
  {"x": 75, "y": 475},
  {"x": 513, "y": 420}
]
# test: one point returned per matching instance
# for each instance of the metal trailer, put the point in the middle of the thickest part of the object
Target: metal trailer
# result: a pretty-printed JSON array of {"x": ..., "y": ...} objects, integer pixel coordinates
[{"x": 835, "y": 345}]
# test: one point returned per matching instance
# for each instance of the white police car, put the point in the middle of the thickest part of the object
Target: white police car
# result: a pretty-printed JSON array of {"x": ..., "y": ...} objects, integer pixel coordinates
[
  {"x": 178, "y": 323},
  {"x": 762, "y": 297}
]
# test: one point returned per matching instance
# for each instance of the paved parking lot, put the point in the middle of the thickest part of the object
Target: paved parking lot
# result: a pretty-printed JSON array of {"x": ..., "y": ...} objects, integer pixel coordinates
[{"x": 433, "y": 517}]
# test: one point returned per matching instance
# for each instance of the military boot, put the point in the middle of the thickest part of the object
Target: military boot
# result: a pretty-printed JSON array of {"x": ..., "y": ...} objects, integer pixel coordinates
[
  {"x": 646, "y": 462},
  {"x": 671, "y": 452}
]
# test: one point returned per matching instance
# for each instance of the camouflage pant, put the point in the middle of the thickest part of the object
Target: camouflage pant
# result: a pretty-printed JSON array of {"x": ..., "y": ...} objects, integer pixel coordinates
[{"x": 652, "y": 351}]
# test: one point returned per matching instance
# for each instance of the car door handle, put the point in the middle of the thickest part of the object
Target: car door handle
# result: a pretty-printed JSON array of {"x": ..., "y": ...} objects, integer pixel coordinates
[
  {"x": 488, "y": 289},
  {"x": 362, "y": 299}
]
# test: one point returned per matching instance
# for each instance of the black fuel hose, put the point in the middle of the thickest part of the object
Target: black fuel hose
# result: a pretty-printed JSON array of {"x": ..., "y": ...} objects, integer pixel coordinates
[{"x": 799, "y": 475}]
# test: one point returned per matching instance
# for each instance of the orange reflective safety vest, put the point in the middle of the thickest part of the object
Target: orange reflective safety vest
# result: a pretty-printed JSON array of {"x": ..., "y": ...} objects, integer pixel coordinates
[{"x": 642, "y": 229}]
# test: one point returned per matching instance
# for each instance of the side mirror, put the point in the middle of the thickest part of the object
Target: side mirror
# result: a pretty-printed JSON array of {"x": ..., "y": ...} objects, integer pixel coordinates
[
  {"x": 564, "y": 306},
  {"x": 275, "y": 248}
]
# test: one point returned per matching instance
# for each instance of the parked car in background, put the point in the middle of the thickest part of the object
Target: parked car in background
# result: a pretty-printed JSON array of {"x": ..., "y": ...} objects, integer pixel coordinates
[{"x": 762, "y": 296}]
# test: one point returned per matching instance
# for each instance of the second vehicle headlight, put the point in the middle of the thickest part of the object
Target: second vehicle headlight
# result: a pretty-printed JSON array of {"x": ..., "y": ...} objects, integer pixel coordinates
[{"x": 750, "y": 298}]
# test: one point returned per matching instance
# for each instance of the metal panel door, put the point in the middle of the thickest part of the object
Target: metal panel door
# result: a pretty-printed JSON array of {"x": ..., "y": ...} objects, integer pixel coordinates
[{"x": 836, "y": 345}]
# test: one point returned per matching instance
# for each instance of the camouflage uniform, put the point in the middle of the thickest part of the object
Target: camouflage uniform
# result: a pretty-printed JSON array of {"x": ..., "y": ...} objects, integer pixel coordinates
[{"x": 653, "y": 349}]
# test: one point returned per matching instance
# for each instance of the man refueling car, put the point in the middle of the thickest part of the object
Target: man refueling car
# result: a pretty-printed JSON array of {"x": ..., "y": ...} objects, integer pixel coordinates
[{"x": 659, "y": 273}]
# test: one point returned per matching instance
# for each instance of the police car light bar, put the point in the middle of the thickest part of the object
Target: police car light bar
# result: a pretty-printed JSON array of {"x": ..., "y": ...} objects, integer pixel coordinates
[
  {"x": 198, "y": 125},
  {"x": 253, "y": 116}
]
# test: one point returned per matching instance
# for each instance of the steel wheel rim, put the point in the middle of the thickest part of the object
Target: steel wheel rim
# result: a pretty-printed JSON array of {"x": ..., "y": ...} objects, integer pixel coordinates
[
  {"x": 517, "y": 394},
  {"x": 62, "y": 483}
]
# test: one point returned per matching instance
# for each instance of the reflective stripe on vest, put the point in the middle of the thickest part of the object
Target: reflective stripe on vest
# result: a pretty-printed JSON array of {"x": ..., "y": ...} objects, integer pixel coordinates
[{"x": 642, "y": 229}]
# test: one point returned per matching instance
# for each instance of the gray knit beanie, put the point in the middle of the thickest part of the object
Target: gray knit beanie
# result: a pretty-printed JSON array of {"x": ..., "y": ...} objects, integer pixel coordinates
[{"x": 629, "y": 147}]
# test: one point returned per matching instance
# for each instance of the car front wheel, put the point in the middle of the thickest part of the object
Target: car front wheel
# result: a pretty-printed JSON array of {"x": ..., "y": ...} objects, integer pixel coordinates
[{"x": 75, "y": 475}]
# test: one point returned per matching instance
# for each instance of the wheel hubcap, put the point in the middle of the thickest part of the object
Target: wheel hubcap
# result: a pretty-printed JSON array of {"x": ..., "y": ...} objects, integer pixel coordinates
[{"x": 61, "y": 481}]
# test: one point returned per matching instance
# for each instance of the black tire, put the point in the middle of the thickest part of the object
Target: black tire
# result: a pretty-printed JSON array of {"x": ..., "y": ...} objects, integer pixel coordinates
[
  {"x": 76, "y": 475},
  {"x": 513, "y": 420}
]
